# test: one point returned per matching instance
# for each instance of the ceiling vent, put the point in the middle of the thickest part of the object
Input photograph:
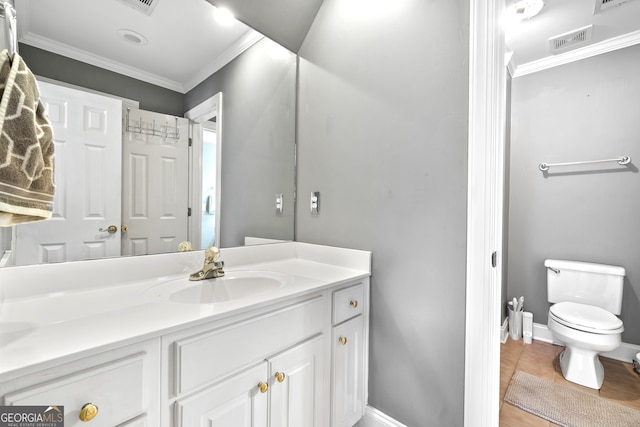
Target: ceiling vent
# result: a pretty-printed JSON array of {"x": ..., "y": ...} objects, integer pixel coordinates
[
  {"x": 570, "y": 40},
  {"x": 602, "y": 5},
  {"x": 144, "y": 6}
]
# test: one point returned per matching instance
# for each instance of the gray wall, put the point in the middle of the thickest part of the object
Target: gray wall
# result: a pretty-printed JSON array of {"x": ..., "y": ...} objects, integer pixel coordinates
[
  {"x": 258, "y": 131},
  {"x": 382, "y": 134},
  {"x": 61, "y": 68},
  {"x": 504, "y": 290},
  {"x": 284, "y": 21},
  {"x": 589, "y": 109}
]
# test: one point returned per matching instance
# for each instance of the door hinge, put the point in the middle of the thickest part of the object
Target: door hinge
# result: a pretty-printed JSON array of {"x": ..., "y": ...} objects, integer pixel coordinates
[
  {"x": 494, "y": 259},
  {"x": 190, "y": 142},
  {"x": 188, "y": 211}
]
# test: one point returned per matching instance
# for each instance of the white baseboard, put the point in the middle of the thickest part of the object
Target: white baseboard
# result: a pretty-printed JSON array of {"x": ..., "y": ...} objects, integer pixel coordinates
[
  {"x": 624, "y": 353},
  {"x": 375, "y": 418},
  {"x": 504, "y": 330}
]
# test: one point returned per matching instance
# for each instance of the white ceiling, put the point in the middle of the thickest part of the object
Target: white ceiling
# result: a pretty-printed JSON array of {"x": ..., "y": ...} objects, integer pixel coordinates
[
  {"x": 613, "y": 28},
  {"x": 185, "y": 43}
]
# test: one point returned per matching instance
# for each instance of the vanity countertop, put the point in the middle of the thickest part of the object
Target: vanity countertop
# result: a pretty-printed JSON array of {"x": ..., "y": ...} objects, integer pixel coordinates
[{"x": 54, "y": 313}]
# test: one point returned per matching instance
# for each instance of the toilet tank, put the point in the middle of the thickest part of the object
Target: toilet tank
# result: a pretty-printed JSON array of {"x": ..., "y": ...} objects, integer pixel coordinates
[{"x": 586, "y": 283}]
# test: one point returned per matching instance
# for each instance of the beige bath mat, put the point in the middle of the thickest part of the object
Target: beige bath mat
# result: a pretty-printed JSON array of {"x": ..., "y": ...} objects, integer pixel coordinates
[{"x": 565, "y": 406}]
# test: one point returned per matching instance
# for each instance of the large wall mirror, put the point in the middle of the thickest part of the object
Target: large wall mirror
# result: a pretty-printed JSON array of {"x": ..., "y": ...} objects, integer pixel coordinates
[{"x": 171, "y": 56}]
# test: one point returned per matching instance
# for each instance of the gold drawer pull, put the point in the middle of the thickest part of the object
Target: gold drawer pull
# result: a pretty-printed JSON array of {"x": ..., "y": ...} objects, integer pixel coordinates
[
  {"x": 88, "y": 412},
  {"x": 353, "y": 303},
  {"x": 280, "y": 376},
  {"x": 263, "y": 387},
  {"x": 342, "y": 340}
]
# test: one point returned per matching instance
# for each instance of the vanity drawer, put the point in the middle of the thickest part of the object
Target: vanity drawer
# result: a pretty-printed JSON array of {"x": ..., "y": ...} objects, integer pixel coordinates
[
  {"x": 203, "y": 358},
  {"x": 116, "y": 388},
  {"x": 348, "y": 303}
]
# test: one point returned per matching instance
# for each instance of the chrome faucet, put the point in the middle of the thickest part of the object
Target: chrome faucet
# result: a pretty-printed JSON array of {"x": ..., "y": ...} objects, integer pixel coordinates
[{"x": 212, "y": 268}]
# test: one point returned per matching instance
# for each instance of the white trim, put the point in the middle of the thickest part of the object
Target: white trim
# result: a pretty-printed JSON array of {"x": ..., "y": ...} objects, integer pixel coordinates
[
  {"x": 209, "y": 108},
  {"x": 250, "y": 38},
  {"x": 126, "y": 102},
  {"x": 504, "y": 330},
  {"x": 99, "y": 61},
  {"x": 624, "y": 353},
  {"x": 376, "y": 418},
  {"x": 487, "y": 88},
  {"x": 204, "y": 111},
  {"x": 542, "y": 333},
  {"x": 243, "y": 43},
  {"x": 511, "y": 65},
  {"x": 609, "y": 45}
]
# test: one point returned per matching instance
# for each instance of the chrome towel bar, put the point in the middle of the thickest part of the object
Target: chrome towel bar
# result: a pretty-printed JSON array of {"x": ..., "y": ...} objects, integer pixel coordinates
[{"x": 622, "y": 160}]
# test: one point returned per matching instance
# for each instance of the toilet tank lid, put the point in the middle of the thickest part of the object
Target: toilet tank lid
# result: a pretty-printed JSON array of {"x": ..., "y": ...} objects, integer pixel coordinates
[{"x": 584, "y": 266}]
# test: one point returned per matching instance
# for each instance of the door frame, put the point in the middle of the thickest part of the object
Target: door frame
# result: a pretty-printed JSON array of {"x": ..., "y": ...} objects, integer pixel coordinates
[
  {"x": 487, "y": 114},
  {"x": 207, "y": 109}
]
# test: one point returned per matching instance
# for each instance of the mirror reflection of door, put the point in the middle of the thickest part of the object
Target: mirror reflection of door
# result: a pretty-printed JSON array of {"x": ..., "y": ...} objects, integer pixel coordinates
[
  {"x": 155, "y": 175},
  {"x": 87, "y": 129},
  {"x": 209, "y": 184}
]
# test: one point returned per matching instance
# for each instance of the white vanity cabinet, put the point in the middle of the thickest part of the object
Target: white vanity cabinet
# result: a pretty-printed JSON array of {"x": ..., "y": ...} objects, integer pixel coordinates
[
  {"x": 302, "y": 363},
  {"x": 292, "y": 355},
  {"x": 266, "y": 369},
  {"x": 121, "y": 384},
  {"x": 348, "y": 355}
]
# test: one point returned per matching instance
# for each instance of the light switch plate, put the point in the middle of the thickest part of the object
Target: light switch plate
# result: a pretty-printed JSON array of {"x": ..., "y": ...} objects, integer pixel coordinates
[
  {"x": 279, "y": 203},
  {"x": 315, "y": 202}
]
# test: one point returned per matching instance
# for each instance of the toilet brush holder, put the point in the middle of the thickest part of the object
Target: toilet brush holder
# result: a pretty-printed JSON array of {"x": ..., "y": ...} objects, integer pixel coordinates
[{"x": 515, "y": 323}]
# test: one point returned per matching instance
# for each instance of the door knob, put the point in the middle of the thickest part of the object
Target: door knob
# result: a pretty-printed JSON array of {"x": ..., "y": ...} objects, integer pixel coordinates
[{"x": 110, "y": 229}]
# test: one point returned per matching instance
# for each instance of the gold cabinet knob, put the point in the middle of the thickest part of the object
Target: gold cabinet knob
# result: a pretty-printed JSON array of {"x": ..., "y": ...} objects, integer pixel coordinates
[
  {"x": 88, "y": 412},
  {"x": 343, "y": 340},
  {"x": 263, "y": 387},
  {"x": 353, "y": 303},
  {"x": 280, "y": 376},
  {"x": 124, "y": 228}
]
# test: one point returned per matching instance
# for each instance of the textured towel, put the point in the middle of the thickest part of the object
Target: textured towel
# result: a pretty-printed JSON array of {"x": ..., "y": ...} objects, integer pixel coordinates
[{"x": 26, "y": 146}]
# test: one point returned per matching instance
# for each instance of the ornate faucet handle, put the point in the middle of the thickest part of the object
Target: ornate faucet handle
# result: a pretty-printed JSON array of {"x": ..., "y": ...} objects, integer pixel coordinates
[{"x": 212, "y": 254}]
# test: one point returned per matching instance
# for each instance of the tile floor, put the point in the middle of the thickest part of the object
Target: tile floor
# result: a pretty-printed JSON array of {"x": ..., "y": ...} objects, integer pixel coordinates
[{"x": 621, "y": 383}]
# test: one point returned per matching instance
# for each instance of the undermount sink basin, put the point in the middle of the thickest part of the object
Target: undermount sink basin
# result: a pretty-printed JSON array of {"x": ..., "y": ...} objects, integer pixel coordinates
[{"x": 233, "y": 286}]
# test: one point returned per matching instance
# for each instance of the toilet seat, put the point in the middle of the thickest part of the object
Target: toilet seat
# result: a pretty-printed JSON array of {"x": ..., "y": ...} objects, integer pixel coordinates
[{"x": 587, "y": 318}]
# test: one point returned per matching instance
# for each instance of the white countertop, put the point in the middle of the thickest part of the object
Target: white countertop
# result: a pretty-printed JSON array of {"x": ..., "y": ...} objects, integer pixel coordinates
[{"x": 88, "y": 306}]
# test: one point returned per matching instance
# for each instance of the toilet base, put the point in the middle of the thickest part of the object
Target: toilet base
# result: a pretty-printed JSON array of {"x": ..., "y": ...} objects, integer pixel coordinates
[{"x": 582, "y": 367}]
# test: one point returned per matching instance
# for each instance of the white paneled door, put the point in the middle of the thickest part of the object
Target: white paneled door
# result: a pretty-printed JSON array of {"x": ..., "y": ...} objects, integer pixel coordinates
[
  {"x": 87, "y": 132},
  {"x": 155, "y": 176}
]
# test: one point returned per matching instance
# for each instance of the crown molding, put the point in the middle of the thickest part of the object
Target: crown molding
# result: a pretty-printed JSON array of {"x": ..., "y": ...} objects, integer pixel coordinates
[
  {"x": 511, "y": 66},
  {"x": 250, "y": 38},
  {"x": 99, "y": 61},
  {"x": 608, "y": 45}
]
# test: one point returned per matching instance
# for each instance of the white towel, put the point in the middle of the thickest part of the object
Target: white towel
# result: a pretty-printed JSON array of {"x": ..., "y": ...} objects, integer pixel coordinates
[{"x": 26, "y": 146}]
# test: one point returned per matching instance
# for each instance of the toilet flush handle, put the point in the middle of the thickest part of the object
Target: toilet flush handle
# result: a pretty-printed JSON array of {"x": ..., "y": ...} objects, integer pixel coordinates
[{"x": 555, "y": 270}]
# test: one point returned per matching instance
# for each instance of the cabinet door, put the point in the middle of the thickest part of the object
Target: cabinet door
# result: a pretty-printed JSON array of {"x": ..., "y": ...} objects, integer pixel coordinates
[
  {"x": 348, "y": 383},
  {"x": 298, "y": 396},
  {"x": 236, "y": 402}
]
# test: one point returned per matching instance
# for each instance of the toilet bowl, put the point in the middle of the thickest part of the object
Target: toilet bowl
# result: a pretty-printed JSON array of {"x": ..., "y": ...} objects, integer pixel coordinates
[
  {"x": 586, "y": 298},
  {"x": 585, "y": 330}
]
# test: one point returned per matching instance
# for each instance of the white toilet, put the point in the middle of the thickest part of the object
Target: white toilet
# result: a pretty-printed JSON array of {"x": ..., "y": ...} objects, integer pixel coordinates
[{"x": 586, "y": 299}]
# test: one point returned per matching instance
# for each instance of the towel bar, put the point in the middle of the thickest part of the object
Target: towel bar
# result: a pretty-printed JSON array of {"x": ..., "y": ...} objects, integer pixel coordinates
[{"x": 622, "y": 160}]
